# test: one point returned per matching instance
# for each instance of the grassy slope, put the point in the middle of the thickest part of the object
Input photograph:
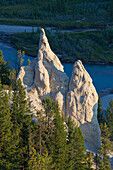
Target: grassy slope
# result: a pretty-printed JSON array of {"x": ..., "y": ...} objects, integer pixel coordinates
[{"x": 95, "y": 47}]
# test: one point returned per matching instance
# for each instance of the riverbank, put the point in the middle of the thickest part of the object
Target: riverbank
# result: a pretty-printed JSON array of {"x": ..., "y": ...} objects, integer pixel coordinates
[
  {"x": 91, "y": 47},
  {"x": 68, "y": 24}
]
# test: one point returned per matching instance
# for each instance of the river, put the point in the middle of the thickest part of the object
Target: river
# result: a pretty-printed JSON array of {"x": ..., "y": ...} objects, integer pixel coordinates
[
  {"x": 102, "y": 75},
  {"x": 10, "y": 29}
]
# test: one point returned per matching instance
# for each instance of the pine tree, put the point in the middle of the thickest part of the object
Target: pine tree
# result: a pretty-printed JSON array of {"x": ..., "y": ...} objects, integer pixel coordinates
[
  {"x": 50, "y": 108},
  {"x": 39, "y": 156},
  {"x": 45, "y": 162},
  {"x": 76, "y": 153},
  {"x": 104, "y": 161},
  {"x": 58, "y": 141},
  {"x": 40, "y": 133},
  {"x": 5, "y": 131},
  {"x": 33, "y": 161},
  {"x": 4, "y": 71},
  {"x": 70, "y": 143},
  {"x": 109, "y": 117},
  {"x": 100, "y": 115},
  {"x": 21, "y": 121}
]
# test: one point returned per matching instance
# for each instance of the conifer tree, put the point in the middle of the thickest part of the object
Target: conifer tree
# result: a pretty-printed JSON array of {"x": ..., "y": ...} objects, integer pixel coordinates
[
  {"x": 104, "y": 161},
  {"x": 33, "y": 160},
  {"x": 109, "y": 117},
  {"x": 45, "y": 162},
  {"x": 5, "y": 131},
  {"x": 50, "y": 108},
  {"x": 40, "y": 157},
  {"x": 76, "y": 149},
  {"x": 100, "y": 115},
  {"x": 4, "y": 70},
  {"x": 40, "y": 133},
  {"x": 58, "y": 141},
  {"x": 21, "y": 121}
]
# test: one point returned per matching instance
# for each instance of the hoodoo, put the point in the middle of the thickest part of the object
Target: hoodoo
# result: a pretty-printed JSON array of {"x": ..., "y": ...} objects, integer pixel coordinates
[
  {"x": 77, "y": 97},
  {"x": 82, "y": 104}
]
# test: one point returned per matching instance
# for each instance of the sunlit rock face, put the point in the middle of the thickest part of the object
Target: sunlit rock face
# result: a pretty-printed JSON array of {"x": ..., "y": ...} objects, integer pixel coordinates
[
  {"x": 77, "y": 97},
  {"x": 46, "y": 75},
  {"x": 81, "y": 105}
]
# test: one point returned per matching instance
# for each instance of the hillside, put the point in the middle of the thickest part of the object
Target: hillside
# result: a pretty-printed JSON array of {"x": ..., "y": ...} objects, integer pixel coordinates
[{"x": 60, "y": 13}]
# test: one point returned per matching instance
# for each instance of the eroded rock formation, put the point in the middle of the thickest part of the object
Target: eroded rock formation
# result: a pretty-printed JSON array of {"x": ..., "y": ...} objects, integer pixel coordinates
[
  {"x": 81, "y": 105},
  {"x": 77, "y": 98}
]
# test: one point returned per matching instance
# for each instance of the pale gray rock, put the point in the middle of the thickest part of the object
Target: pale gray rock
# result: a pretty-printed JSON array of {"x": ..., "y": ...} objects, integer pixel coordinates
[
  {"x": 41, "y": 80},
  {"x": 50, "y": 79},
  {"x": 26, "y": 75},
  {"x": 36, "y": 103},
  {"x": 82, "y": 103},
  {"x": 46, "y": 55},
  {"x": 45, "y": 75},
  {"x": 77, "y": 98}
]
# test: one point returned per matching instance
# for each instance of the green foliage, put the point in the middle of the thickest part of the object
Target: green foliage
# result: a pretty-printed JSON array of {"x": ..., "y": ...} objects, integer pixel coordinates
[
  {"x": 104, "y": 161},
  {"x": 33, "y": 161},
  {"x": 48, "y": 143},
  {"x": 100, "y": 115},
  {"x": 90, "y": 160},
  {"x": 5, "y": 131},
  {"x": 56, "y": 135},
  {"x": 109, "y": 117},
  {"x": 59, "y": 142},
  {"x": 20, "y": 55},
  {"x": 21, "y": 122},
  {"x": 56, "y": 10},
  {"x": 94, "y": 47},
  {"x": 4, "y": 71},
  {"x": 76, "y": 150}
]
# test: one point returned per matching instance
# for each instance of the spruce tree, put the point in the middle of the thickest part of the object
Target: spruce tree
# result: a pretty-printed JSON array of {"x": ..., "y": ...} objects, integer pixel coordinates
[
  {"x": 76, "y": 149},
  {"x": 100, "y": 115},
  {"x": 50, "y": 107},
  {"x": 45, "y": 162},
  {"x": 5, "y": 131},
  {"x": 33, "y": 160},
  {"x": 39, "y": 156},
  {"x": 109, "y": 117},
  {"x": 40, "y": 133},
  {"x": 4, "y": 71},
  {"x": 104, "y": 161},
  {"x": 58, "y": 147},
  {"x": 49, "y": 110},
  {"x": 21, "y": 121}
]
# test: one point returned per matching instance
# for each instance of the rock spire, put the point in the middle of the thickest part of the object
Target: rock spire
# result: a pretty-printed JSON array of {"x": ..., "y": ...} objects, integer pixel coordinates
[{"x": 77, "y": 97}]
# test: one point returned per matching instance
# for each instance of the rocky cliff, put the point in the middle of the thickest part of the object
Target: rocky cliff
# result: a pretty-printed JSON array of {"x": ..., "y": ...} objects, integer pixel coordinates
[{"x": 77, "y": 97}]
